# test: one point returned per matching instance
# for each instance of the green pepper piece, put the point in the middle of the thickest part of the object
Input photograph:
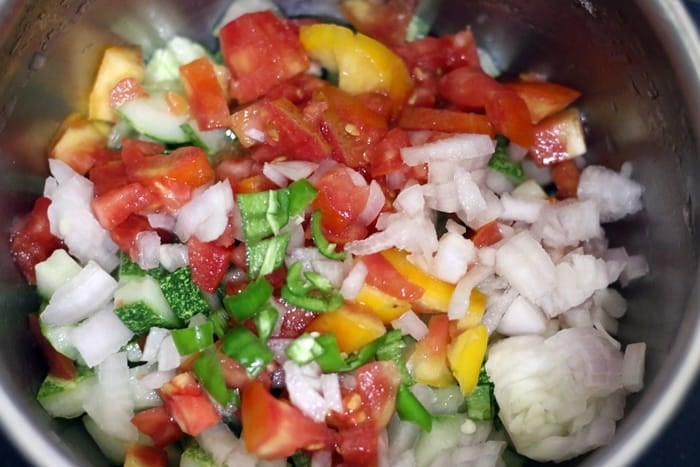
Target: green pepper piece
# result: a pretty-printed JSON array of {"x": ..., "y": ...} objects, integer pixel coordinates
[
  {"x": 330, "y": 359},
  {"x": 193, "y": 339},
  {"x": 250, "y": 301},
  {"x": 410, "y": 409},
  {"x": 265, "y": 321},
  {"x": 326, "y": 248},
  {"x": 303, "y": 349},
  {"x": 320, "y": 302},
  {"x": 501, "y": 162},
  {"x": 266, "y": 255},
  {"x": 209, "y": 372},
  {"x": 243, "y": 346},
  {"x": 301, "y": 194}
]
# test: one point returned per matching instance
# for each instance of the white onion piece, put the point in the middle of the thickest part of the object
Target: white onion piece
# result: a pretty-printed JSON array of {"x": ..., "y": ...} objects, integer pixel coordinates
[
  {"x": 295, "y": 228},
  {"x": 356, "y": 177},
  {"x": 206, "y": 215},
  {"x": 156, "y": 379},
  {"x": 452, "y": 258},
  {"x": 163, "y": 221},
  {"x": 224, "y": 447},
  {"x": 516, "y": 152},
  {"x": 441, "y": 196},
  {"x": 293, "y": 170},
  {"x": 375, "y": 203},
  {"x": 148, "y": 249},
  {"x": 410, "y": 200},
  {"x": 441, "y": 172},
  {"x": 100, "y": 336},
  {"x": 611, "y": 301},
  {"x": 153, "y": 341},
  {"x": 541, "y": 175},
  {"x": 168, "y": 356},
  {"x": 461, "y": 296},
  {"x": 173, "y": 256},
  {"x": 523, "y": 262},
  {"x": 80, "y": 297},
  {"x": 635, "y": 268},
  {"x": 332, "y": 270},
  {"x": 278, "y": 345},
  {"x": 307, "y": 390},
  {"x": 567, "y": 223},
  {"x": 71, "y": 218},
  {"x": 521, "y": 209},
  {"x": 453, "y": 148},
  {"x": 529, "y": 189},
  {"x": 383, "y": 459},
  {"x": 410, "y": 324},
  {"x": 498, "y": 182},
  {"x": 469, "y": 196},
  {"x": 274, "y": 175},
  {"x": 354, "y": 280},
  {"x": 322, "y": 459},
  {"x": 522, "y": 317},
  {"x": 576, "y": 317},
  {"x": 633, "y": 366},
  {"x": 111, "y": 403},
  {"x": 305, "y": 255},
  {"x": 615, "y": 195}
]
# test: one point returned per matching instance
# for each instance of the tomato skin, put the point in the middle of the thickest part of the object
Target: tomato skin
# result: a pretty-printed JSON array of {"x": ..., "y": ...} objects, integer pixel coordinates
[
  {"x": 138, "y": 455},
  {"x": 60, "y": 366},
  {"x": 262, "y": 51},
  {"x": 189, "y": 404},
  {"x": 358, "y": 445},
  {"x": 207, "y": 99},
  {"x": 297, "y": 90},
  {"x": 157, "y": 424},
  {"x": 382, "y": 275},
  {"x": 124, "y": 234},
  {"x": 134, "y": 151},
  {"x": 386, "y": 21},
  {"x": 487, "y": 235},
  {"x": 108, "y": 176},
  {"x": 254, "y": 184},
  {"x": 187, "y": 165},
  {"x": 451, "y": 121},
  {"x": 544, "y": 98},
  {"x": 274, "y": 428},
  {"x": 31, "y": 240},
  {"x": 209, "y": 263},
  {"x": 471, "y": 88},
  {"x": 565, "y": 175},
  {"x": 116, "y": 205}
]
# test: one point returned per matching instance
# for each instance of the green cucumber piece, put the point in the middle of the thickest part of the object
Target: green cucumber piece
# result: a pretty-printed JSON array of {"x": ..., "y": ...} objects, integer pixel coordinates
[
  {"x": 64, "y": 398},
  {"x": 141, "y": 305},
  {"x": 54, "y": 272},
  {"x": 151, "y": 117}
]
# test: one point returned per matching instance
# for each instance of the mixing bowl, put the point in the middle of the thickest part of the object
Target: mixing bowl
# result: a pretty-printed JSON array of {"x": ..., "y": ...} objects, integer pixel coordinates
[{"x": 635, "y": 62}]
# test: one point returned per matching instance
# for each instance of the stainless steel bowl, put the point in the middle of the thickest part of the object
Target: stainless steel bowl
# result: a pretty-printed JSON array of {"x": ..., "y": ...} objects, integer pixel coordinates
[{"x": 635, "y": 62}]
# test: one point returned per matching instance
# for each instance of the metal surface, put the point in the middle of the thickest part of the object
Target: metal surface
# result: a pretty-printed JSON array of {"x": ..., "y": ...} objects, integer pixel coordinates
[{"x": 636, "y": 64}]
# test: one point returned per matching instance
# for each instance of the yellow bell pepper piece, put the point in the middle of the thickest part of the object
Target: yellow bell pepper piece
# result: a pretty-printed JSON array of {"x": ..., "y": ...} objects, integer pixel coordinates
[
  {"x": 437, "y": 292},
  {"x": 475, "y": 312},
  {"x": 352, "y": 328},
  {"x": 465, "y": 355},
  {"x": 386, "y": 307},
  {"x": 363, "y": 64},
  {"x": 118, "y": 63},
  {"x": 428, "y": 362}
]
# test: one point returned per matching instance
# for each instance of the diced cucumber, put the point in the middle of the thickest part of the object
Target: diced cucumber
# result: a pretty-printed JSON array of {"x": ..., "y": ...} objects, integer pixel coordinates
[
  {"x": 212, "y": 141},
  {"x": 129, "y": 269},
  {"x": 64, "y": 398},
  {"x": 151, "y": 117},
  {"x": 183, "y": 296},
  {"x": 55, "y": 271},
  {"x": 195, "y": 456},
  {"x": 140, "y": 304},
  {"x": 59, "y": 338},
  {"x": 164, "y": 65},
  {"x": 112, "y": 447},
  {"x": 445, "y": 435}
]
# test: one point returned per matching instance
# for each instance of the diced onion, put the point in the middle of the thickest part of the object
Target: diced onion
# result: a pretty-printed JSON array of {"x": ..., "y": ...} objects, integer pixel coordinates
[
  {"x": 633, "y": 366},
  {"x": 206, "y": 215},
  {"x": 615, "y": 195},
  {"x": 453, "y": 148},
  {"x": 289, "y": 170},
  {"x": 453, "y": 257},
  {"x": 459, "y": 302},
  {"x": 163, "y": 221},
  {"x": 152, "y": 345},
  {"x": 148, "y": 249},
  {"x": 410, "y": 324},
  {"x": 354, "y": 280},
  {"x": 375, "y": 203},
  {"x": 522, "y": 317},
  {"x": 173, "y": 256},
  {"x": 100, "y": 336},
  {"x": 156, "y": 379},
  {"x": 168, "y": 356}
]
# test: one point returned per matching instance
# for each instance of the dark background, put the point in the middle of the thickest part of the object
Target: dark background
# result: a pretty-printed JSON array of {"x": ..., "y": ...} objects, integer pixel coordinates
[{"x": 678, "y": 446}]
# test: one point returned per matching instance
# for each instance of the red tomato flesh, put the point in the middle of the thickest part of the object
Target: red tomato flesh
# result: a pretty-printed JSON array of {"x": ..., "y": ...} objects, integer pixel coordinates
[
  {"x": 207, "y": 99},
  {"x": 158, "y": 424},
  {"x": 188, "y": 404}
]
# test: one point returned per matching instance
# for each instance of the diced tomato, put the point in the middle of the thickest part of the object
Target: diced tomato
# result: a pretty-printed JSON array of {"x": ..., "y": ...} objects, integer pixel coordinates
[
  {"x": 116, "y": 205},
  {"x": 189, "y": 404},
  {"x": 237, "y": 168},
  {"x": 349, "y": 127},
  {"x": 359, "y": 445},
  {"x": 428, "y": 362},
  {"x": 187, "y": 165},
  {"x": 544, "y": 98},
  {"x": 31, "y": 240},
  {"x": 385, "y": 157},
  {"x": 339, "y": 199},
  {"x": 235, "y": 374},
  {"x": 138, "y": 455},
  {"x": 126, "y": 90},
  {"x": 134, "y": 151},
  {"x": 377, "y": 385},
  {"x": 108, "y": 176},
  {"x": 440, "y": 54},
  {"x": 209, "y": 263},
  {"x": 297, "y": 90},
  {"x": 282, "y": 126},
  {"x": 294, "y": 321},
  {"x": 471, "y": 88},
  {"x": 565, "y": 175},
  {"x": 382, "y": 275},
  {"x": 262, "y": 51},
  {"x": 254, "y": 184},
  {"x": 423, "y": 118},
  {"x": 124, "y": 234},
  {"x": 386, "y": 21},
  {"x": 157, "y": 424},
  {"x": 558, "y": 138},
  {"x": 60, "y": 366},
  {"x": 207, "y": 99},
  {"x": 273, "y": 428},
  {"x": 487, "y": 235}
]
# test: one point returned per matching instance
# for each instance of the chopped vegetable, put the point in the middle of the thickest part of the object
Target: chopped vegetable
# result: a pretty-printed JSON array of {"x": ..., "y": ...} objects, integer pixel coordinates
[{"x": 243, "y": 346}]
